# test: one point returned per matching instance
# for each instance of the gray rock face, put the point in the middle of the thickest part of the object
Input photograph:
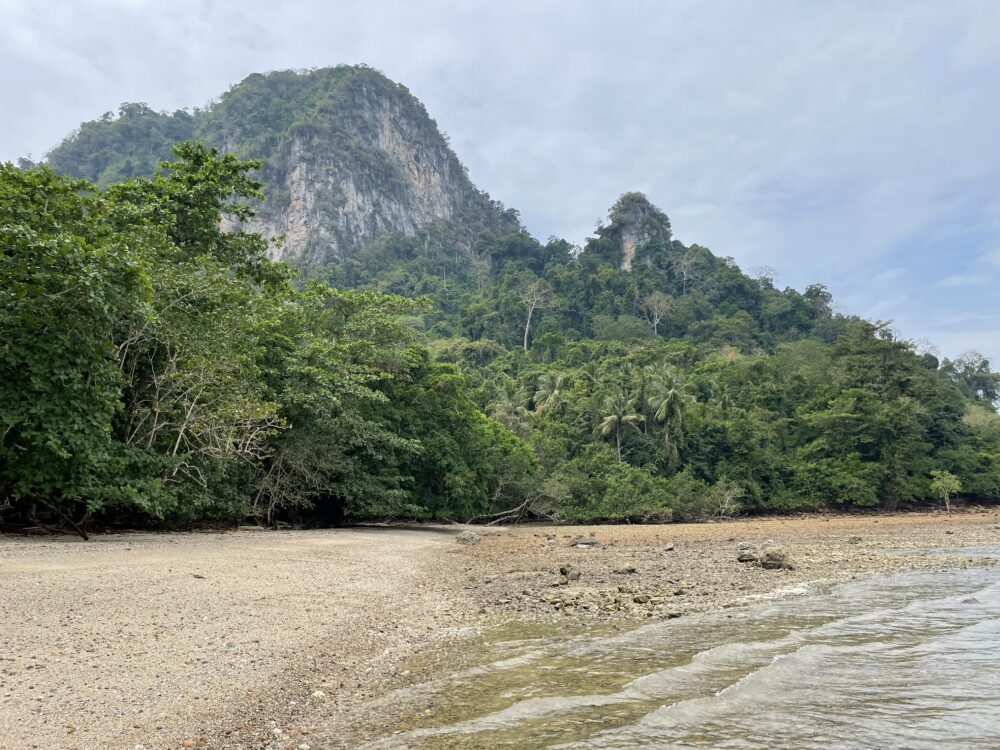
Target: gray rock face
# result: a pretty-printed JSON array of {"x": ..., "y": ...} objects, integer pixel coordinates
[
  {"x": 384, "y": 168},
  {"x": 468, "y": 537},
  {"x": 746, "y": 556},
  {"x": 637, "y": 221},
  {"x": 346, "y": 154}
]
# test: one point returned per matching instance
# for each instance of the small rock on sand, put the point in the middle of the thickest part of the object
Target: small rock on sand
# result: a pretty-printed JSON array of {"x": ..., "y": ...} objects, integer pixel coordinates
[
  {"x": 628, "y": 570},
  {"x": 669, "y": 547},
  {"x": 775, "y": 558},
  {"x": 584, "y": 541},
  {"x": 569, "y": 573},
  {"x": 468, "y": 537}
]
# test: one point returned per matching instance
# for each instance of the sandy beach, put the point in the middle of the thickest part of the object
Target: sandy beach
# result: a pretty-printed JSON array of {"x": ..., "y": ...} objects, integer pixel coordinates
[{"x": 250, "y": 639}]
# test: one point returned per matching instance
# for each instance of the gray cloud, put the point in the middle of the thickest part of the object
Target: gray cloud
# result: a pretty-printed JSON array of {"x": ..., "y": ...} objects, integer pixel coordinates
[{"x": 845, "y": 142}]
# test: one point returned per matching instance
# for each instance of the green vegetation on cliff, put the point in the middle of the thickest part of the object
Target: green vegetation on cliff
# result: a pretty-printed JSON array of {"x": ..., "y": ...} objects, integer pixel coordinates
[{"x": 345, "y": 154}]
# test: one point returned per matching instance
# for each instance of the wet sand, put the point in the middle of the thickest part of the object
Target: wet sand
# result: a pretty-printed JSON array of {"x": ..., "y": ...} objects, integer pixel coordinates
[{"x": 255, "y": 639}]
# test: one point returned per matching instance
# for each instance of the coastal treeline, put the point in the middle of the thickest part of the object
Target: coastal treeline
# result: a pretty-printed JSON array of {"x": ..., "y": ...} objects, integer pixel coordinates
[
  {"x": 670, "y": 384},
  {"x": 157, "y": 368}
]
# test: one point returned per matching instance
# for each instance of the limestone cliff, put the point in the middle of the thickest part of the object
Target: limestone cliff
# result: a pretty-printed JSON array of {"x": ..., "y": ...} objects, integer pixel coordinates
[
  {"x": 347, "y": 155},
  {"x": 634, "y": 222},
  {"x": 366, "y": 160}
]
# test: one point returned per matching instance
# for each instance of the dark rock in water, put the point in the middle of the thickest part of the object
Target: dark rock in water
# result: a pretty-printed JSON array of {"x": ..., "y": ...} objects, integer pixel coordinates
[
  {"x": 628, "y": 570},
  {"x": 584, "y": 541},
  {"x": 775, "y": 558},
  {"x": 468, "y": 537},
  {"x": 669, "y": 547},
  {"x": 854, "y": 540},
  {"x": 970, "y": 600}
]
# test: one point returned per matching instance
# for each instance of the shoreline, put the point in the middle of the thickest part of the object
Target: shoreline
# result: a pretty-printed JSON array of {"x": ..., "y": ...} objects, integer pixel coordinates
[{"x": 258, "y": 639}]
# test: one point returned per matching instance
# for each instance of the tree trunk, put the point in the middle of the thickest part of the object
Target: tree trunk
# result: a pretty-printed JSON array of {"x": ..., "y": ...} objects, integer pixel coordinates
[{"x": 527, "y": 327}]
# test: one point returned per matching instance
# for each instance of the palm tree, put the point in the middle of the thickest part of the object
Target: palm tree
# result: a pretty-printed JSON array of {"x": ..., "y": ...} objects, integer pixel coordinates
[
  {"x": 620, "y": 413},
  {"x": 591, "y": 371},
  {"x": 509, "y": 409},
  {"x": 549, "y": 394},
  {"x": 669, "y": 397}
]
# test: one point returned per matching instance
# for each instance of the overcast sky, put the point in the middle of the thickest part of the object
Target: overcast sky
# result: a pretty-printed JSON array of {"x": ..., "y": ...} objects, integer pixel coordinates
[{"x": 851, "y": 143}]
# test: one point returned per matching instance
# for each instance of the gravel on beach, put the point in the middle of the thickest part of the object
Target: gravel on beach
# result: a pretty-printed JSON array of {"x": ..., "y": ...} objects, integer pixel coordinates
[{"x": 250, "y": 639}]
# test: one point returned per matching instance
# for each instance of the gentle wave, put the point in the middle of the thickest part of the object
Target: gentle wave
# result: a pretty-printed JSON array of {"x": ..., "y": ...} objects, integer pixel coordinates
[{"x": 907, "y": 661}]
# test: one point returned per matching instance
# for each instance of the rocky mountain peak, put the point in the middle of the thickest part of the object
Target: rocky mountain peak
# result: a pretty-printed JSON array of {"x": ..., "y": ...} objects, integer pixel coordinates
[
  {"x": 347, "y": 155},
  {"x": 635, "y": 221}
]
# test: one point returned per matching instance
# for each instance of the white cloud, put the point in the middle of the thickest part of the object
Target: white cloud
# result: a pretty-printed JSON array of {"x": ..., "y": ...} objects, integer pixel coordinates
[
  {"x": 962, "y": 280},
  {"x": 832, "y": 141}
]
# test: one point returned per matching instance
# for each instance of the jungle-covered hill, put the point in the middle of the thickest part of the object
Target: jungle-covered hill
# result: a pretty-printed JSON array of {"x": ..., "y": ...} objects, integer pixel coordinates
[{"x": 436, "y": 361}]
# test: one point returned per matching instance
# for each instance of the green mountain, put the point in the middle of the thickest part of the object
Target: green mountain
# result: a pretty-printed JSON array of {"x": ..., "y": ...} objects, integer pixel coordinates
[
  {"x": 346, "y": 155},
  {"x": 434, "y": 359}
]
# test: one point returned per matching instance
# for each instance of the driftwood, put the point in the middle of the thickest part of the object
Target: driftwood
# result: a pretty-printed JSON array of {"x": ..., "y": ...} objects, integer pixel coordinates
[{"x": 513, "y": 515}]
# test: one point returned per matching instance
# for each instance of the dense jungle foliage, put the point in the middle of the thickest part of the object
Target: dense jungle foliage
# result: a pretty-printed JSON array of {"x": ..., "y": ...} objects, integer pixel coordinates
[
  {"x": 154, "y": 368},
  {"x": 157, "y": 369},
  {"x": 683, "y": 387}
]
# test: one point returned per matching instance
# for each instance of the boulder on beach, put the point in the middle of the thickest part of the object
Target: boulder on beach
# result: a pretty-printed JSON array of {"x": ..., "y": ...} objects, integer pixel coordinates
[
  {"x": 468, "y": 537},
  {"x": 569, "y": 573},
  {"x": 584, "y": 541},
  {"x": 775, "y": 558},
  {"x": 746, "y": 553}
]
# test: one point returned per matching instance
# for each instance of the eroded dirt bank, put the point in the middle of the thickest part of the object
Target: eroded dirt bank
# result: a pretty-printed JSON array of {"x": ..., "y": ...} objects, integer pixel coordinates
[{"x": 254, "y": 639}]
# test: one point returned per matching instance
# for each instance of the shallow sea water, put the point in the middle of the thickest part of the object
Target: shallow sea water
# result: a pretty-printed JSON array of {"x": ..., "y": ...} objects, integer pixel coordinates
[{"x": 909, "y": 661}]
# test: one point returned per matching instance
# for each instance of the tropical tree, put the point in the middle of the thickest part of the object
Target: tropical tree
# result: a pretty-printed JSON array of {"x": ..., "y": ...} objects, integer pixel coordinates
[
  {"x": 655, "y": 307},
  {"x": 619, "y": 414},
  {"x": 669, "y": 398},
  {"x": 550, "y": 392},
  {"x": 509, "y": 408},
  {"x": 945, "y": 485},
  {"x": 535, "y": 294}
]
